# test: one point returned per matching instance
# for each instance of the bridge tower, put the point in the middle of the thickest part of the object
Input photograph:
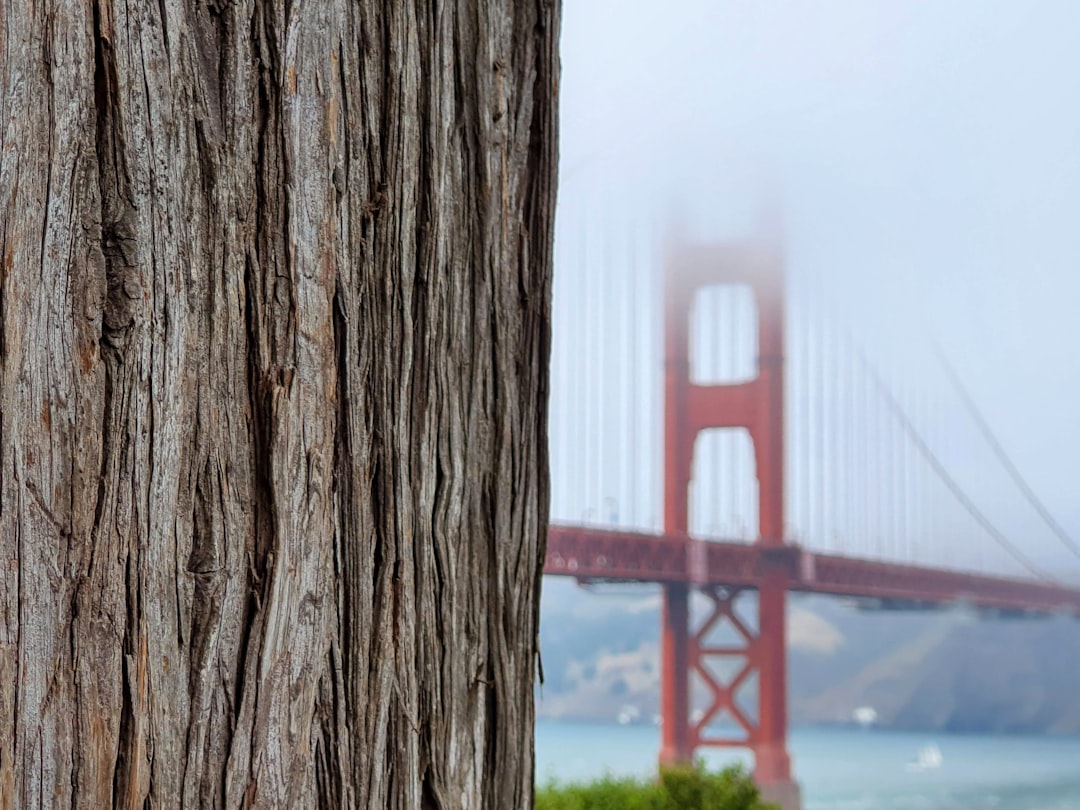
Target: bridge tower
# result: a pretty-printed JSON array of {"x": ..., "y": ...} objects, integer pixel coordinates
[{"x": 756, "y": 405}]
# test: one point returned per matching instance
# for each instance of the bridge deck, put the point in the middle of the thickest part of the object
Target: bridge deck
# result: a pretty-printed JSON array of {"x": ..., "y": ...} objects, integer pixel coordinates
[{"x": 591, "y": 554}]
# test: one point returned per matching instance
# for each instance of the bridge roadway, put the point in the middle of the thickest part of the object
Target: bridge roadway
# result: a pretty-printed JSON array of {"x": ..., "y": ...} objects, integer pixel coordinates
[{"x": 600, "y": 555}]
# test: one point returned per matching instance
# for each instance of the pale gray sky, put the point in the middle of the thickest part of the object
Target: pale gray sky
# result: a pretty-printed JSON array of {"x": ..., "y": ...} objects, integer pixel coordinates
[{"x": 927, "y": 155}]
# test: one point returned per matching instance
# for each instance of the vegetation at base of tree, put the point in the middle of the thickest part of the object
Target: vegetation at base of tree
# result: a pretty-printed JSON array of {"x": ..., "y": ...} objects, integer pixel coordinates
[{"x": 684, "y": 788}]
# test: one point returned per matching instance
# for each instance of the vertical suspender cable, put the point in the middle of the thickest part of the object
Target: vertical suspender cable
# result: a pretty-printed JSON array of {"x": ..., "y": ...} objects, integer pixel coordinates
[
  {"x": 735, "y": 511},
  {"x": 949, "y": 526},
  {"x": 743, "y": 334},
  {"x": 924, "y": 502},
  {"x": 900, "y": 448},
  {"x": 844, "y": 451},
  {"x": 930, "y": 512},
  {"x": 888, "y": 483},
  {"x": 807, "y": 425},
  {"x": 604, "y": 308},
  {"x": 588, "y": 399},
  {"x": 877, "y": 463},
  {"x": 715, "y": 320},
  {"x": 827, "y": 456},
  {"x": 624, "y": 339},
  {"x": 722, "y": 487},
  {"x": 634, "y": 394},
  {"x": 572, "y": 295},
  {"x": 866, "y": 471},
  {"x": 795, "y": 419},
  {"x": 651, "y": 309},
  {"x": 819, "y": 429}
]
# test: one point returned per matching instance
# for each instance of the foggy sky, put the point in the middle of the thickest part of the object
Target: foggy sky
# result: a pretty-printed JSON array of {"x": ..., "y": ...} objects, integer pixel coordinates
[{"x": 927, "y": 161}]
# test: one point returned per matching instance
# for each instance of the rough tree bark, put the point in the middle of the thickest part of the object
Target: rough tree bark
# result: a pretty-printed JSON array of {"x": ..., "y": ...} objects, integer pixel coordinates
[{"x": 274, "y": 327}]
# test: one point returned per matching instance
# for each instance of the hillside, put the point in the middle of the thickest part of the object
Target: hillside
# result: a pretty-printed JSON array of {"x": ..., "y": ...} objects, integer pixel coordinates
[{"x": 925, "y": 672}]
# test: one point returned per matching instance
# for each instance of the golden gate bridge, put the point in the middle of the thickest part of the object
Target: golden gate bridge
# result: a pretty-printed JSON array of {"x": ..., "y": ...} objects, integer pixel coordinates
[{"x": 783, "y": 461}]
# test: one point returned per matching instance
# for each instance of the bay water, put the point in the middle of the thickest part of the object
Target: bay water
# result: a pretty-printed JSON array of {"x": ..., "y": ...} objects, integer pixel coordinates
[{"x": 851, "y": 769}]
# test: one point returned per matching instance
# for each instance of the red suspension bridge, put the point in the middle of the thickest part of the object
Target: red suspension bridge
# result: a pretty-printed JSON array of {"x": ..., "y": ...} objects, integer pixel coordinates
[{"x": 781, "y": 466}]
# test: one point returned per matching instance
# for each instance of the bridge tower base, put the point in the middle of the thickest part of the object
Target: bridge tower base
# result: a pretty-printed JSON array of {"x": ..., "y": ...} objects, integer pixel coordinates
[{"x": 785, "y": 795}]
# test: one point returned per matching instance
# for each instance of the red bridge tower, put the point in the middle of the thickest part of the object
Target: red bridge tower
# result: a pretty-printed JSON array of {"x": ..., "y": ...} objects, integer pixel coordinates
[{"x": 758, "y": 406}]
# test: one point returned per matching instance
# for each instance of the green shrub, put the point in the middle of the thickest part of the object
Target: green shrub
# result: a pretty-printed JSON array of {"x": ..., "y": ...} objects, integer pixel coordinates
[
  {"x": 686, "y": 788},
  {"x": 694, "y": 788},
  {"x": 605, "y": 794}
]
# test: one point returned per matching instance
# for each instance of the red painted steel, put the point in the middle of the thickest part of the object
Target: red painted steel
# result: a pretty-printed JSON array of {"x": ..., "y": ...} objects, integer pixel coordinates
[
  {"x": 724, "y": 693},
  {"x": 599, "y": 555},
  {"x": 676, "y": 744},
  {"x": 758, "y": 406},
  {"x": 675, "y": 740}
]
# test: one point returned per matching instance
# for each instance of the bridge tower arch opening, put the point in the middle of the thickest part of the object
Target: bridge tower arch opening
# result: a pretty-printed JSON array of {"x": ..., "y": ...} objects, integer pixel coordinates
[
  {"x": 723, "y": 335},
  {"x": 723, "y": 487},
  {"x": 753, "y": 403}
]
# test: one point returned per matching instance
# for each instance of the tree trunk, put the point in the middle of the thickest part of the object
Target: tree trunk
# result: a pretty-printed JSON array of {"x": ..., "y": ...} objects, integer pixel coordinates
[{"x": 274, "y": 329}]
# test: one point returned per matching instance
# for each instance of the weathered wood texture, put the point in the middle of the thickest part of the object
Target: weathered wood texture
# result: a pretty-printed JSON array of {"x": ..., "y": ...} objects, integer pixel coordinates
[{"x": 274, "y": 328}]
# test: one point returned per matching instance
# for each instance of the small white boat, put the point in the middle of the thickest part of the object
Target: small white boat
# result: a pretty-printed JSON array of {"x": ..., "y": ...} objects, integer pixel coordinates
[
  {"x": 865, "y": 716},
  {"x": 929, "y": 758}
]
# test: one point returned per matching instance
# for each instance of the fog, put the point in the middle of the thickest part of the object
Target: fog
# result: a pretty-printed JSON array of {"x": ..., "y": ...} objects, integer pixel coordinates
[{"x": 924, "y": 160}]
